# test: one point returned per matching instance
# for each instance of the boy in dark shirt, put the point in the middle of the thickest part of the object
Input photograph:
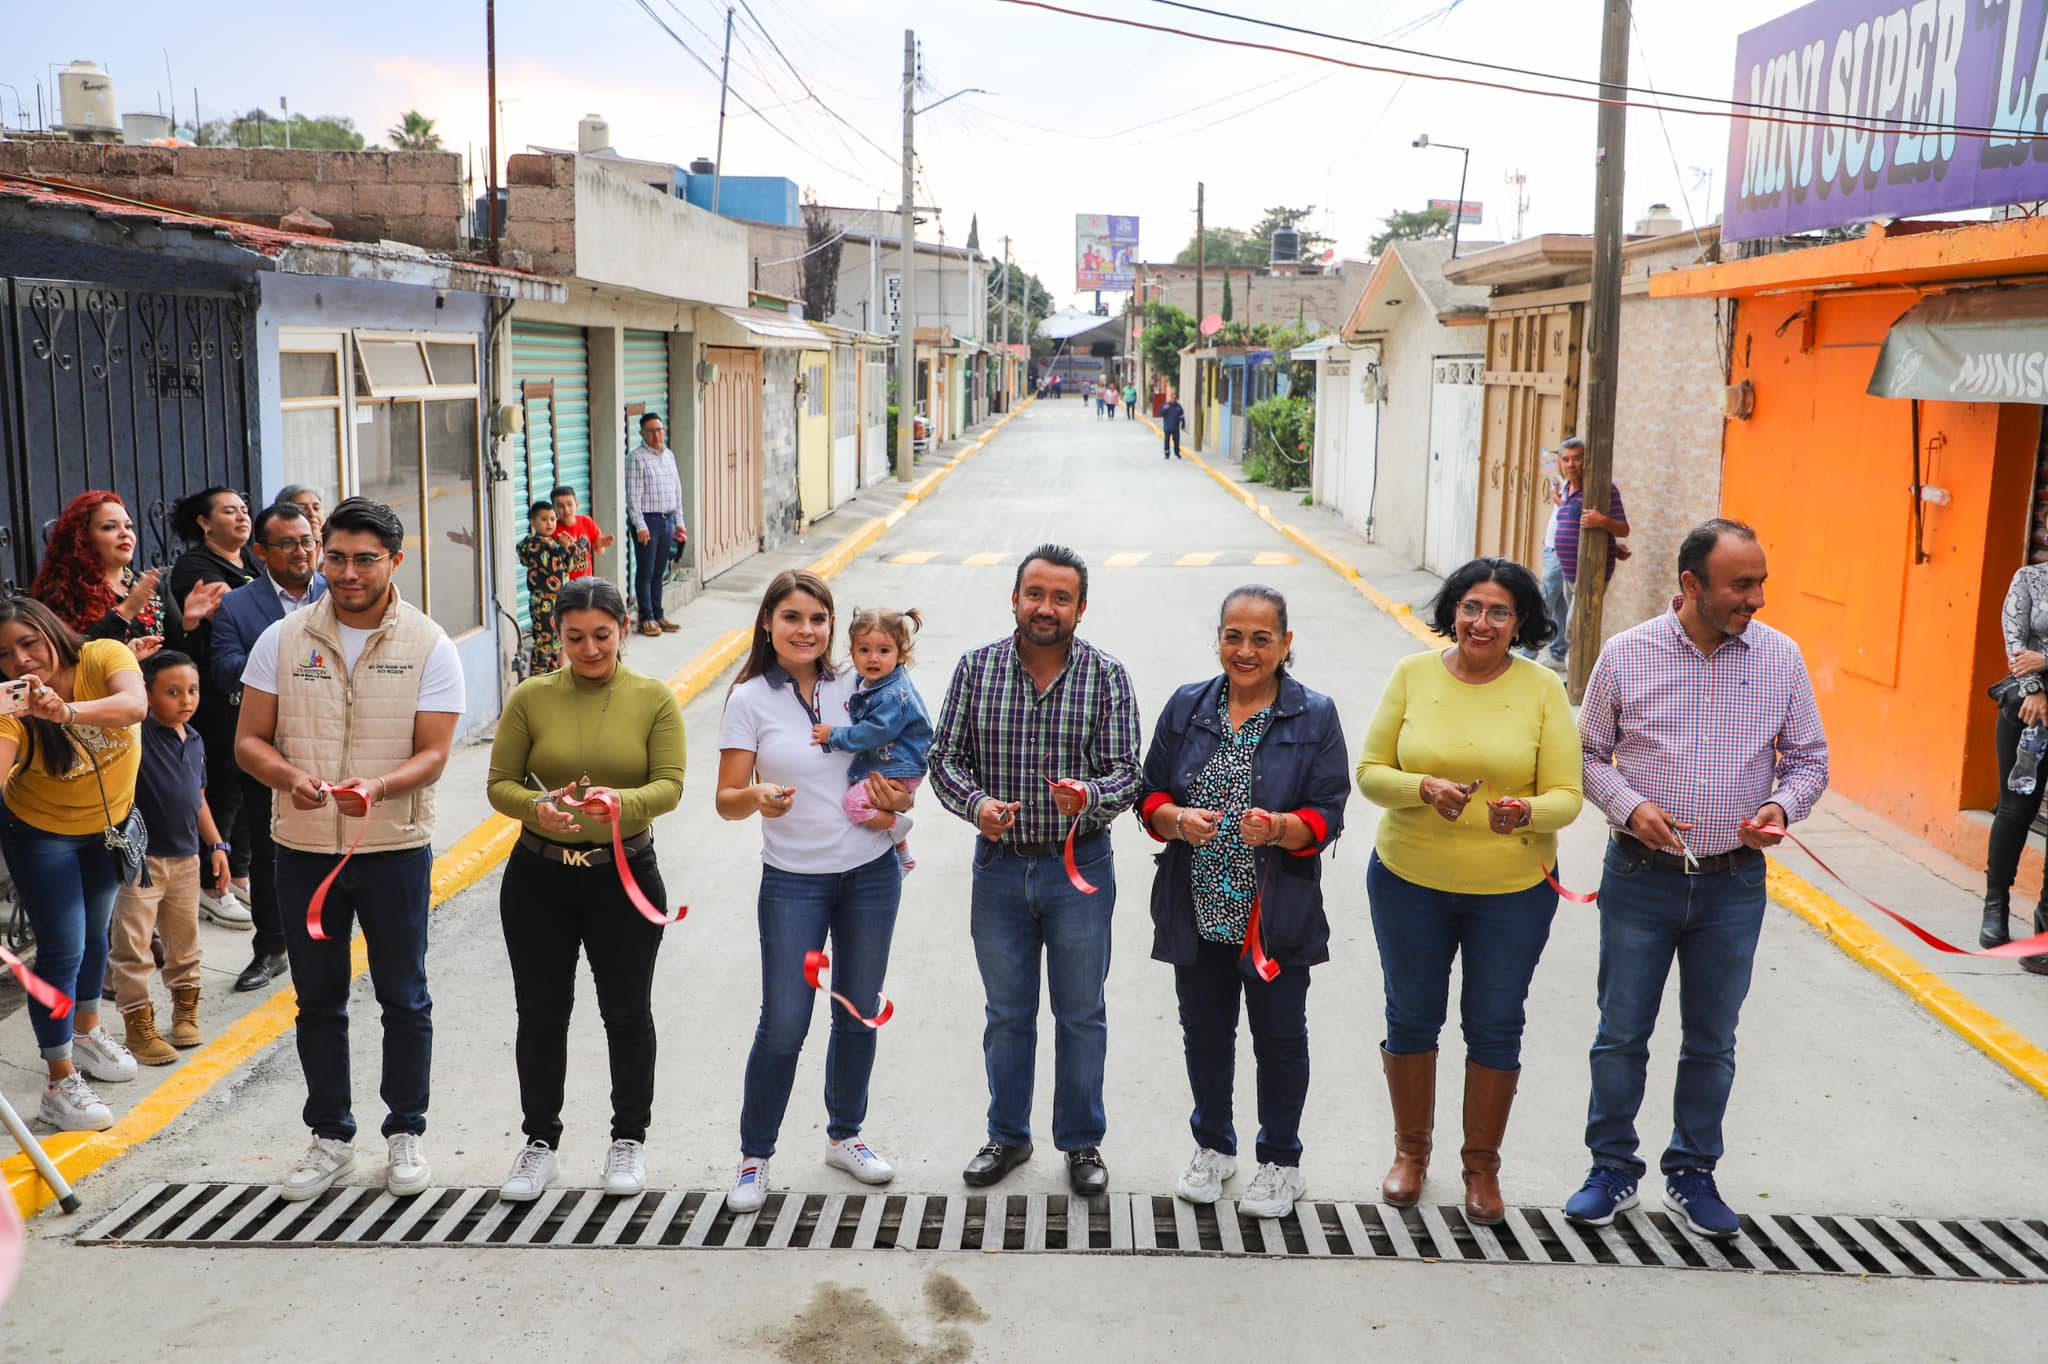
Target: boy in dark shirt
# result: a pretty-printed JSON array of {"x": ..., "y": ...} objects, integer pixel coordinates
[{"x": 171, "y": 791}]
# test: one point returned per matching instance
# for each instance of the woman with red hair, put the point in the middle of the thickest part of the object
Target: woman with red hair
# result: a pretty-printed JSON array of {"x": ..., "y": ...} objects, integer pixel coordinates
[{"x": 88, "y": 578}]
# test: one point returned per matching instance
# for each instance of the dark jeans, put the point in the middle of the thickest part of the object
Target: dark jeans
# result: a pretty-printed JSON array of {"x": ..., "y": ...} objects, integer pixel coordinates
[
  {"x": 262, "y": 864},
  {"x": 1172, "y": 445},
  {"x": 551, "y": 912},
  {"x": 228, "y": 796},
  {"x": 650, "y": 563},
  {"x": 1650, "y": 915},
  {"x": 1278, "y": 1008},
  {"x": 856, "y": 911},
  {"x": 2016, "y": 813},
  {"x": 1131, "y": 410},
  {"x": 1025, "y": 908},
  {"x": 1500, "y": 939},
  {"x": 387, "y": 891},
  {"x": 66, "y": 884}
]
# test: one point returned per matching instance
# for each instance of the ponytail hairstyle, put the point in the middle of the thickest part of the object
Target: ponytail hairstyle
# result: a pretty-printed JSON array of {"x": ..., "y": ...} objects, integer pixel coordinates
[
  {"x": 761, "y": 652},
  {"x": 900, "y": 626},
  {"x": 46, "y": 736}
]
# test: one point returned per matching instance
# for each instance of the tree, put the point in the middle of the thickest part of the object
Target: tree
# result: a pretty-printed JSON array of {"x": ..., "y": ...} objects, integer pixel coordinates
[
  {"x": 1278, "y": 218},
  {"x": 1225, "y": 246},
  {"x": 1228, "y": 311},
  {"x": 1167, "y": 331},
  {"x": 414, "y": 132},
  {"x": 1411, "y": 225},
  {"x": 819, "y": 267},
  {"x": 257, "y": 129},
  {"x": 1030, "y": 301}
]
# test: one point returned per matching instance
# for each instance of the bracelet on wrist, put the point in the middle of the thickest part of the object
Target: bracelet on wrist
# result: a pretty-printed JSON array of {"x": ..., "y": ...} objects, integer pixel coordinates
[{"x": 1180, "y": 828}]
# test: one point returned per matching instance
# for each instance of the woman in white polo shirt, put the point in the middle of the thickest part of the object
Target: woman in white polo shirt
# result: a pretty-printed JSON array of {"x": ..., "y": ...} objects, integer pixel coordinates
[{"x": 821, "y": 875}]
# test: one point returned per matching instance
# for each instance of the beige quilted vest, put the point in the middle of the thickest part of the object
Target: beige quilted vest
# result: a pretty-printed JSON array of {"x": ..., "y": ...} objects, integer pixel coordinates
[{"x": 333, "y": 724}]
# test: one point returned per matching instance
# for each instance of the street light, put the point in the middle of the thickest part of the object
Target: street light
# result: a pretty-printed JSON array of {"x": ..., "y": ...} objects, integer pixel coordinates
[{"x": 1458, "y": 213}]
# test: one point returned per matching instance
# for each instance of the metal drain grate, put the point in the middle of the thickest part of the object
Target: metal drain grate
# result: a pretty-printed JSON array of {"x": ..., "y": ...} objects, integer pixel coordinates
[{"x": 2009, "y": 1250}]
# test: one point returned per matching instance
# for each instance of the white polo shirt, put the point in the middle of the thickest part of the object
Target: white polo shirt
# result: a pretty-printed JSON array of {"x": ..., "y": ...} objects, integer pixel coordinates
[{"x": 773, "y": 723}]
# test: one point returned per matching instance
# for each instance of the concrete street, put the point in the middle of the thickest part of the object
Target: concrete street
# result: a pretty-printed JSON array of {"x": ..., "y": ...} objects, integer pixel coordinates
[{"x": 1850, "y": 1099}]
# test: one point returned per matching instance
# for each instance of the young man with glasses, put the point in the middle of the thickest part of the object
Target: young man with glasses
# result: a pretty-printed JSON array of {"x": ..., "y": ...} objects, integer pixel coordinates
[
  {"x": 284, "y": 544},
  {"x": 348, "y": 712}
]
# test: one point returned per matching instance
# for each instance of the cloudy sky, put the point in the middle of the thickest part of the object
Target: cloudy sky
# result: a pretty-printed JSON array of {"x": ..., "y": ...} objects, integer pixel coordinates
[{"x": 1084, "y": 116}]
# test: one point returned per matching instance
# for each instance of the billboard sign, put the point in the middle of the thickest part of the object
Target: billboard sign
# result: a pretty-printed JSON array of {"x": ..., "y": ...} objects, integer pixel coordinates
[
  {"x": 1890, "y": 77},
  {"x": 1105, "y": 251},
  {"x": 1464, "y": 210}
]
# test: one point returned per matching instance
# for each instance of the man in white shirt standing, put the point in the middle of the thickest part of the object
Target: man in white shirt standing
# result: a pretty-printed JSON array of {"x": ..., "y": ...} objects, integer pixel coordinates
[
  {"x": 654, "y": 507},
  {"x": 348, "y": 712}
]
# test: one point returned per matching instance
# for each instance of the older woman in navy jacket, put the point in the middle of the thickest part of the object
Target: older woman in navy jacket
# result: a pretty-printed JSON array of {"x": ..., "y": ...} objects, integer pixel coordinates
[{"x": 1245, "y": 783}]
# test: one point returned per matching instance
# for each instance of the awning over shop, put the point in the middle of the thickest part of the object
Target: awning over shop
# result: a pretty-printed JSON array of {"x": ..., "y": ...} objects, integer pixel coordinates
[
  {"x": 773, "y": 327},
  {"x": 1975, "y": 345}
]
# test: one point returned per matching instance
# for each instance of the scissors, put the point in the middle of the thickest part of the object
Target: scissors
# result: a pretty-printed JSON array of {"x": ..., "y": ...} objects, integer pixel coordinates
[{"x": 1692, "y": 863}]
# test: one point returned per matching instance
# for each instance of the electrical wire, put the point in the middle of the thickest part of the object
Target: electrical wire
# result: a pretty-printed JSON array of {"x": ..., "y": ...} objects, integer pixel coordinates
[{"x": 755, "y": 19}]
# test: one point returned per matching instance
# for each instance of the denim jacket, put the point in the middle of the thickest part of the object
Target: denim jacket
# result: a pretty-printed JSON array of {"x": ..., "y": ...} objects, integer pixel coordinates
[
  {"x": 1301, "y": 768},
  {"x": 891, "y": 731}
]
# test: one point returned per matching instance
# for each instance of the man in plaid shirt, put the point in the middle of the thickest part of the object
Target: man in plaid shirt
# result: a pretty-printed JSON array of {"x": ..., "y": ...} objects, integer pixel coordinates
[
  {"x": 654, "y": 507},
  {"x": 1702, "y": 743},
  {"x": 1041, "y": 704}
]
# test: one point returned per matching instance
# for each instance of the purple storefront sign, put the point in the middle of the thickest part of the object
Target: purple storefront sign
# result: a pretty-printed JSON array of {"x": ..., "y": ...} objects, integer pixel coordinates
[{"x": 1923, "y": 66}]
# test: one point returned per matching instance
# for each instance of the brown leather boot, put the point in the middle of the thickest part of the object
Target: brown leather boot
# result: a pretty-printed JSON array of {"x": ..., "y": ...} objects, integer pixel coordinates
[
  {"x": 1488, "y": 1096},
  {"x": 1411, "y": 1087},
  {"x": 149, "y": 1048},
  {"x": 185, "y": 1017}
]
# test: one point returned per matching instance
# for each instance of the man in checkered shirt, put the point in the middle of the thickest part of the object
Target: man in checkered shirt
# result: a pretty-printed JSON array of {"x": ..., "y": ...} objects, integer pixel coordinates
[{"x": 1702, "y": 743}]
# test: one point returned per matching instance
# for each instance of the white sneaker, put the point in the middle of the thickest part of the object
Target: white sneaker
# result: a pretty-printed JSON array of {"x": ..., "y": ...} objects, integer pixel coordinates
[
  {"x": 100, "y": 1056},
  {"x": 406, "y": 1171},
  {"x": 314, "y": 1173},
  {"x": 749, "y": 1185},
  {"x": 625, "y": 1168},
  {"x": 225, "y": 910},
  {"x": 69, "y": 1105},
  {"x": 1202, "y": 1181},
  {"x": 1273, "y": 1191},
  {"x": 854, "y": 1156},
  {"x": 533, "y": 1169}
]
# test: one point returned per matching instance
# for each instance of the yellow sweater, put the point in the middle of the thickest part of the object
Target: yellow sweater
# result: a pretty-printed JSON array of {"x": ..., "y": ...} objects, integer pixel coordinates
[{"x": 1513, "y": 734}]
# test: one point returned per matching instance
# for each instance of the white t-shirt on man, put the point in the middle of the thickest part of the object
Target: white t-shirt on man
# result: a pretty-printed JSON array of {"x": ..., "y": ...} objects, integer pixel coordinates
[
  {"x": 773, "y": 724},
  {"x": 441, "y": 687}
]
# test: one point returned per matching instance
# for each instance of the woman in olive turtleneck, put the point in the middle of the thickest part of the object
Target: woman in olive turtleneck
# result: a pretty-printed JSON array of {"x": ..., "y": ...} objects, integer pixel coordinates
[{"x": 592, "y": 728}]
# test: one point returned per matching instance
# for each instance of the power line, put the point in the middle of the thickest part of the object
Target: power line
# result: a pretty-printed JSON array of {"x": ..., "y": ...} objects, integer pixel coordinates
[{"x": 755, "y": 19}]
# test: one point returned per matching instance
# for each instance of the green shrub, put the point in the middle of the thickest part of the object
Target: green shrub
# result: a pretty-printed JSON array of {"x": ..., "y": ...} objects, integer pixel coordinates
[{"x": 1283, "y": 442}]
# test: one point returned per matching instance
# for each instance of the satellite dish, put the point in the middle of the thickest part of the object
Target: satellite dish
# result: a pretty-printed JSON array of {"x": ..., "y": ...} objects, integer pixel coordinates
[{"x": 1212, "y": 324}]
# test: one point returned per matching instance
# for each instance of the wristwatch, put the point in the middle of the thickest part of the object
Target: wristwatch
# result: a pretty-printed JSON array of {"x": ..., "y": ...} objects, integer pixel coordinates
[{"x": 220, "y": 847}]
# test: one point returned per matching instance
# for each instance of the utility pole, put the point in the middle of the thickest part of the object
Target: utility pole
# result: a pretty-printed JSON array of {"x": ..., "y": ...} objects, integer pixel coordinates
[
  {"x": 1603, "y": 336},
  {"x": 1009, "y": 360},
  {"x": 491, "y": 83},
  {"x": 1520, "y": 183},
  {"x": 724, "y": 71},
  {"x": 906, "y": 312},
  {"x": 1201, "y": 241}
]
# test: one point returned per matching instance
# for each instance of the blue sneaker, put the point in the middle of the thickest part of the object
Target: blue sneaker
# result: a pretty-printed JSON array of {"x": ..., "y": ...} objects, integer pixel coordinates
[
  {"x": 1606, "y": 1192},
  {"x": 1692, "y": 1193}
]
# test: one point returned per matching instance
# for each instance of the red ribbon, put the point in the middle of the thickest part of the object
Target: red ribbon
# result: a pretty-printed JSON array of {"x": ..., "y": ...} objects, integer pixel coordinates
[
  {"x": 815, "y": 962},
  {"x": 2025, "y": 947},
  {"x": 1073, "y": 828},
  {"x": 609, "y": 803},
  {"x": 40, "y": 990},
  {"x": 344, "y": 796},
  {"x": 1254, "y": 937},
  {"x": 1590, "y": 897}
]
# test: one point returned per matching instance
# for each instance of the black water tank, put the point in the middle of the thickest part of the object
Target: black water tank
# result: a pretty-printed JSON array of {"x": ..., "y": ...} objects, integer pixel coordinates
[{"x": 1286, "y": 246}]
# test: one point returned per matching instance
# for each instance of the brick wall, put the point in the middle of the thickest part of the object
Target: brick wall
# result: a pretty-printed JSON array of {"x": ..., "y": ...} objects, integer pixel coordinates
[
  {"x": 770, "y": 269},
  {"x": 540, "y": 210},
  {"x": 1275, "y": 299},
  {"x": 414, "y": 197}
]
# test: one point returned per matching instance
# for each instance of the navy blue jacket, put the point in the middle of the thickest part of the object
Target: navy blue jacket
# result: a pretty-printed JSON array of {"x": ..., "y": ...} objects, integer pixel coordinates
[
  {"x": 240, "y": 620},
  {"x": 1172, "y": 417},
  {"x": 891, "y": 731},
  {"x": 1300, "y": 768}
]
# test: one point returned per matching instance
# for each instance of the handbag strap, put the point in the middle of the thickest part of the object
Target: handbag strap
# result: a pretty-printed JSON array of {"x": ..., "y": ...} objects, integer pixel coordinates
[{"x": 94, "y": 759}]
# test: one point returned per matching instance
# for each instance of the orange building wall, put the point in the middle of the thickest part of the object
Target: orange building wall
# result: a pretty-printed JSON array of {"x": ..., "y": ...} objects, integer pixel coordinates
[{"x": 1900, "y": 652}]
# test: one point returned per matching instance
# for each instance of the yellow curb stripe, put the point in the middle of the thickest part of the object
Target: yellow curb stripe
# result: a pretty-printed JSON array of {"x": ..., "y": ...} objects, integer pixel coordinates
[{"x": 467, "y": 861}]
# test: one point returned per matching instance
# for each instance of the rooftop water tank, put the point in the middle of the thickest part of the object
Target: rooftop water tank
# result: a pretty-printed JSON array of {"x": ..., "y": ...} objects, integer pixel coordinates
[
  {"x": 593, "y": 134},
  {"x": 85, "y": 100},
  {"x": 139, "y": 130},
  {"x": 703, "y": 165},
  {"x": 1286, "y": 246}
]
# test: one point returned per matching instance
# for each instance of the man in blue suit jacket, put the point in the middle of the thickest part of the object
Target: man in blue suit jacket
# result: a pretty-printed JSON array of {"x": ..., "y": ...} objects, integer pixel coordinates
[{"x": 284, "y": 545}]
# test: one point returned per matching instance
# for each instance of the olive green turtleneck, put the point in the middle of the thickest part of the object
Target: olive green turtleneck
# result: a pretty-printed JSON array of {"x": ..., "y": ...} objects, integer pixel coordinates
[{"x": 559, "y": 727}]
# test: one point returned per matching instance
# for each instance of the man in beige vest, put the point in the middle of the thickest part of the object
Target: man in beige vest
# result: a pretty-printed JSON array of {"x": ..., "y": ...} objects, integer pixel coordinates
[{"x": 348, "y": 711}]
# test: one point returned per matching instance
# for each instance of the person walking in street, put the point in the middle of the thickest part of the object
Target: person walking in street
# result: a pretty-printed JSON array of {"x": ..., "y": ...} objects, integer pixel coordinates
[
  {"x": 1130, "y": 401},
  {"x": 288, "y": 548},
  {"x": 2023, "y": 706},
  {"x": 70, "y": 752},
  {"x": 654, "y": 508},
  {"x": 1703, "y": 743},
  {"x": 88, "y": 578},
  {"x": 573, "y": 526},
  {"x": 1452, "y": 877},
  {"x": 823, "y": 878},
  {"x": 1557, "y": 593},
  {"x": 1058, "y": 388},
  {"x": 1245, "y": 783},
  {"x": 348, "y": 711},
  {"x": 590, "y": 733},
  {"x": 1172, "y": 417},
  {"x": 1038, "y": 743},
  {"x": 1571, "y": 515}
]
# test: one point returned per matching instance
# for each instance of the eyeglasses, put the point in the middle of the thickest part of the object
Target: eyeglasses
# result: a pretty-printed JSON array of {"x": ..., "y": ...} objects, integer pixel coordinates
[
  {"x": 1470, "y": 609},
  {"x": 363, "y": 562},
  {"x": 303, "y": 542}
]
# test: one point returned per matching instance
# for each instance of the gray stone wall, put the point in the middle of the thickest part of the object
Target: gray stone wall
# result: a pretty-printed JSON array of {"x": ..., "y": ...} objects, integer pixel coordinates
[{"x": 779, "y": 507}]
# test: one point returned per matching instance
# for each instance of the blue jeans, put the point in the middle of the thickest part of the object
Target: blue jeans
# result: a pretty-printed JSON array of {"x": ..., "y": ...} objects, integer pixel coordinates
[
  {"x": 66, "y": 884},
  {"x": 857, "y": 910},
  {"x": 1650, "y": 915},
  {"x": 387, "y": 891},
  {"x": 1024, "y": 907},
  {"x": 1557, "y": 600},
  {"x": 1499, "y": 937},
  {"x": 650, "y": 562},
  {"x": 1208, "y": 991}
]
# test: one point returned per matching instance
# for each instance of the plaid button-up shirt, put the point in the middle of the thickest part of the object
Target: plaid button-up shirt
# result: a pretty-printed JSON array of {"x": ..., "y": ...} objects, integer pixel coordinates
[
  {"x": 652, "y": 484},
  {"x": 999, "y": 736},
  {"x": 1710, "y": 737}
]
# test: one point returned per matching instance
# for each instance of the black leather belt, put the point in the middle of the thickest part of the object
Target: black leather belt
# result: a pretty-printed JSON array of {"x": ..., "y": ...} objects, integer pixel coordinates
[
  {"x": 581, "y": 854},
  {"x": 1702, "y": 866},
  {"x": 1056, "y": 848}
]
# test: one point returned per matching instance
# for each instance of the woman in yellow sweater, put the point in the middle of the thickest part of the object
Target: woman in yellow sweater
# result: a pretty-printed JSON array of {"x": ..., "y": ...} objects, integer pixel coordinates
[
  {"x": 591, "y": 728},
  {"x": 1475, "y": 757}
]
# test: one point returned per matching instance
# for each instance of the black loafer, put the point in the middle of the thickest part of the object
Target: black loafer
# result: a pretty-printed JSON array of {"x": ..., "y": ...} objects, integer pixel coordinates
[
  {"x": 267, "y": 967},
  {"x": 994, "y": 1161},
  {"x": 1086, "y": 1173}
]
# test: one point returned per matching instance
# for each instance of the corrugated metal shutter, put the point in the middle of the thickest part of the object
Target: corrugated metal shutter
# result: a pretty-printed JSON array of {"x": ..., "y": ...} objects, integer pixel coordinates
[
  {"x": 647, "y": 378},
  {"x": 555, "y": 447}
]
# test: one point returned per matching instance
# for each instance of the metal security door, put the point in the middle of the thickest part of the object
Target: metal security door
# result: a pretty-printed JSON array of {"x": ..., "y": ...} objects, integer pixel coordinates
[
  {"x": 732, "y": 460},
  {"x": 1451, "y": 515},
  {"x": 554, "y": 354},
  {"x": 646, "y": 359},
  {"x": 814, "y": 435}
]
